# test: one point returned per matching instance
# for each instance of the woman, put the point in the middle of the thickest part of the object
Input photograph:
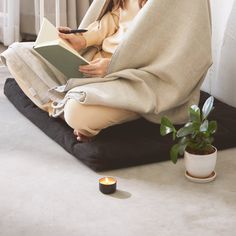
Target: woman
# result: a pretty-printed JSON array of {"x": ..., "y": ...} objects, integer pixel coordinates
[
  {"x": 107, "y": 33},
  {"x": 157, "y": 69}
]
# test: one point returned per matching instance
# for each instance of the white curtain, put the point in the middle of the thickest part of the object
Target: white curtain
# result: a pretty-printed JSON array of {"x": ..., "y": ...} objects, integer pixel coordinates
[
  {"x": 9, "y": 21},
  {"x": 23, "y": 17},
  {"x": 225, "y": 82},
  {"x": 60, "y": 12},
  {"x": 221, "y": 78}
]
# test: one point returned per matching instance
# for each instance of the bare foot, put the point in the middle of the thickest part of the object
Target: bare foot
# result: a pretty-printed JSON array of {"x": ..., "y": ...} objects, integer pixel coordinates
[{"x": 81, "y": 138}]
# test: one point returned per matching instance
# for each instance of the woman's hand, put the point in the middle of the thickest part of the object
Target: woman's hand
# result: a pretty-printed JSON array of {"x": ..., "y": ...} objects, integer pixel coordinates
[
  {"x": 97, "y": 68},
  {"x": 77, "y": 41}
]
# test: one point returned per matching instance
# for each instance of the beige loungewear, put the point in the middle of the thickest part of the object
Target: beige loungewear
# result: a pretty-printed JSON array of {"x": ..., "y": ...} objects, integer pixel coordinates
[{"x": 108, "y": 32}]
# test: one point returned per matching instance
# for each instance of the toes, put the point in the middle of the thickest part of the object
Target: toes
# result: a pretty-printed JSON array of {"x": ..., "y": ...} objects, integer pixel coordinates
[
  {"x": 82, "y": 138},
  {"x": 79, "y": 139},
  {"x": 75, "y": 132}
]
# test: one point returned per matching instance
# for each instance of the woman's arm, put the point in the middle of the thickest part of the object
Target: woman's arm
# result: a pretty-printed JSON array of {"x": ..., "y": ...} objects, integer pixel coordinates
[{"x": 97, "y": 31}]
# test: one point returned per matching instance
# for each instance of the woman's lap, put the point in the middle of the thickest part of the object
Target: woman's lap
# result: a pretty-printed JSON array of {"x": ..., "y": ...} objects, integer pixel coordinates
[{"x": 88, "y": 119}]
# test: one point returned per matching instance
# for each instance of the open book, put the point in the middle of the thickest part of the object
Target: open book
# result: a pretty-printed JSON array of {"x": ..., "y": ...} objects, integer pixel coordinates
[{"x": 58, "y": 52}]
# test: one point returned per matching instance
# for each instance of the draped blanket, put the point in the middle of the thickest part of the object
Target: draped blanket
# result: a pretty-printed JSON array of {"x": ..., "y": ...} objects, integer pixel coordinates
[{"x": 157, "y": 70}]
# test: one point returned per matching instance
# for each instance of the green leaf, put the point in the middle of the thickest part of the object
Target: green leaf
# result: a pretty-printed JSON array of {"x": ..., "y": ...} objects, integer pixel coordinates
[
  {"x": 166, "y": 126},
  {"x": 182, "y": 148},
  {"x": 204, "y": 126},
  {"x": 183, "y": 140},
  {"x": 209, "y": 140},
  {"x": 194, "y": 124},
  {"x": 185, "y": 131},
  {"x": 207, "y": 107},
  {"x": 174, "y": 135},
  {"x": 183, "y": 144},
  {"x": 174, "y": 153},
  {"x": 188, "y": 124},
  {"x": 212, "y": 127},
  {"x": 194, "y": 113}
]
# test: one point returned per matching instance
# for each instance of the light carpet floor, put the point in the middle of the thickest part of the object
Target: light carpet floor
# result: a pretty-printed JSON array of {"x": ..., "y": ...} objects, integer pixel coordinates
[{"x": 45, "y": 191}]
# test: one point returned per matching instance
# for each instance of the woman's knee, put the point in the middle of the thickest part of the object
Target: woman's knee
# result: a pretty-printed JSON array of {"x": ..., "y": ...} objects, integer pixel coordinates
[
  {"x": 71, "y": 113},
  {"x": 77, "y": 116}
]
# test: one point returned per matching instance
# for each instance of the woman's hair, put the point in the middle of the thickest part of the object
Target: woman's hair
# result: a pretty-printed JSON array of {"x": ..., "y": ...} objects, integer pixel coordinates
[{"x": 121, "y": 3}]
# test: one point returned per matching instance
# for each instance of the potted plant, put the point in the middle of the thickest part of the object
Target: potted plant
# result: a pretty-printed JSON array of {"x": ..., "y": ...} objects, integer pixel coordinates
[{"x": 194, "y": 141}]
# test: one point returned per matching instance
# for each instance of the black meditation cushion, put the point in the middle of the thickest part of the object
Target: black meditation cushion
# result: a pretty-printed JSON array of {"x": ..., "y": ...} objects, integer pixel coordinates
[{"x": 133, "y": 143}]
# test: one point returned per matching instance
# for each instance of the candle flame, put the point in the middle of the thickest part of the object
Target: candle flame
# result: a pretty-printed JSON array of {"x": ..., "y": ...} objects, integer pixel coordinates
[{"x": 106, "y": 180}]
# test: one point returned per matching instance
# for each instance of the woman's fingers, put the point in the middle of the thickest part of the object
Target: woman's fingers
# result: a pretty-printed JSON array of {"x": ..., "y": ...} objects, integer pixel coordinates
[
  {"x": 88, "y": 68},
  {"x": 66, "y": 36},
  {"x": 77, "y": 42},
  {"x": 95, "y": 61},
  {"x": 96, "y": 68},
  {"x": 63, "y": 29},
  {"x": 93, "y": 65}
]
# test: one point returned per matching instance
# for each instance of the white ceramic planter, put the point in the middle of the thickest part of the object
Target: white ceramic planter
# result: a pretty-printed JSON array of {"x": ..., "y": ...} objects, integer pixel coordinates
[{"x": 200, "y": 166}]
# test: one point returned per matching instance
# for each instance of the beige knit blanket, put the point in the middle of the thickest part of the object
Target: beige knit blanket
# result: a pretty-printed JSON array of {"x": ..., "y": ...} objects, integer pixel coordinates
[{"x": 158, "y": 68}]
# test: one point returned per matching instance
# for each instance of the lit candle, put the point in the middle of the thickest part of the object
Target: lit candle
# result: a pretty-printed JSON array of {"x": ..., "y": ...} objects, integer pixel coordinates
[{"x": 107, "y": 185}]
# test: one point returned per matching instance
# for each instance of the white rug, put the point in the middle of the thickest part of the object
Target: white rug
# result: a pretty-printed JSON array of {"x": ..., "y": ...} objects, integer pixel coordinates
[{"x": 45, "y": 191}]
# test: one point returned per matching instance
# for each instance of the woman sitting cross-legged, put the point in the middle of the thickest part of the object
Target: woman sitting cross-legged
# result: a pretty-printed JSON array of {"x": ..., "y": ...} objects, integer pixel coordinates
[
  {"x": 147, "y": 59},
  {"x": 86, "y": 120}
]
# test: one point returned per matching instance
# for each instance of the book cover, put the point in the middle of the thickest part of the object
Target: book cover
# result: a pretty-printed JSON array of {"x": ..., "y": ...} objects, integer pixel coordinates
[{"x": 58, "y": 52}]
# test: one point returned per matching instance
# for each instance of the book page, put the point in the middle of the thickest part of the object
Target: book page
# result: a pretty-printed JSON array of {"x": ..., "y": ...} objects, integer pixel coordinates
[
  {"x": 48, "y": 32},
  {"x": 48, "y": 36}
]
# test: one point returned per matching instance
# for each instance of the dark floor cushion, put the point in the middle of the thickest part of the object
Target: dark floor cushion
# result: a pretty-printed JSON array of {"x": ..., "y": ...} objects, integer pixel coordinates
[{"x": 133, "y": 143}]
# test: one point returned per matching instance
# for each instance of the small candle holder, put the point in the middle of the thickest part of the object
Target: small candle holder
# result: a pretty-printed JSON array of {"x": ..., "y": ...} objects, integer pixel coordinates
[{"x": 107, "y": 185}]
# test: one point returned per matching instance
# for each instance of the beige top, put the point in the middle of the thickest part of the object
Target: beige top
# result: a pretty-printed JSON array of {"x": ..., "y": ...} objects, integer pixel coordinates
[{"x": 110, "y": 30}]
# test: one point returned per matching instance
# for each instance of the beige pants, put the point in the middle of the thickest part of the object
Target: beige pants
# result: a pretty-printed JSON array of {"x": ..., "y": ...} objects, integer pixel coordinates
[{"x": 87, "y": 119}]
